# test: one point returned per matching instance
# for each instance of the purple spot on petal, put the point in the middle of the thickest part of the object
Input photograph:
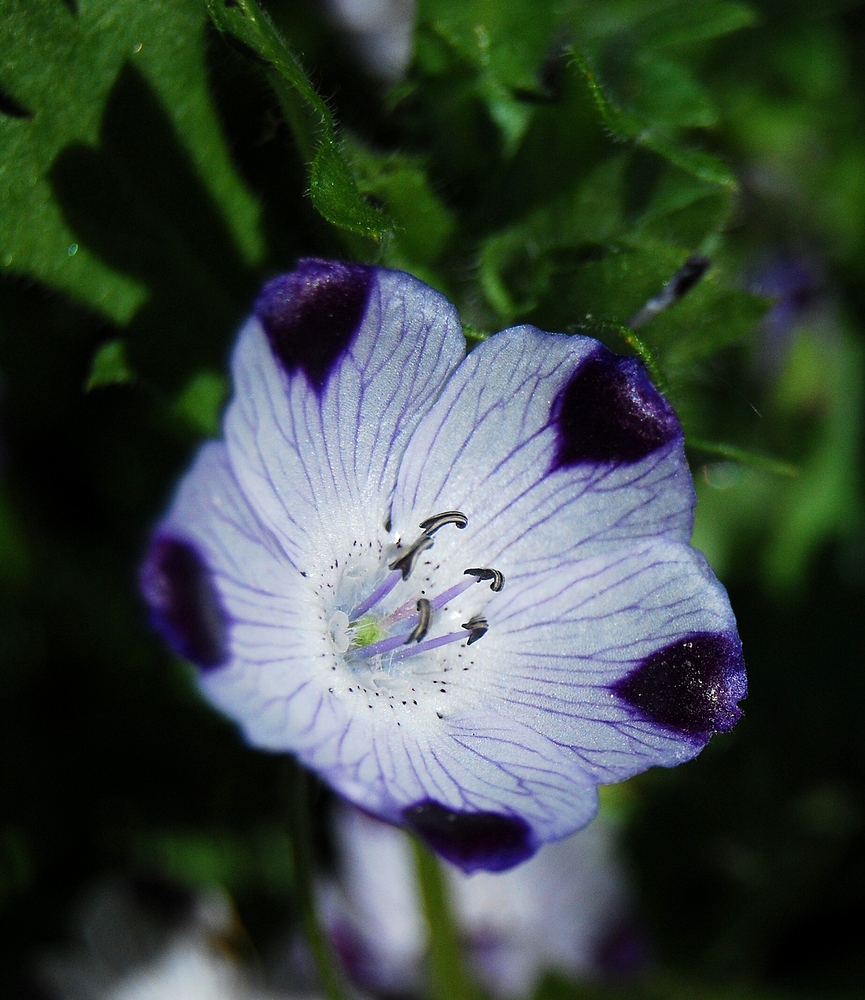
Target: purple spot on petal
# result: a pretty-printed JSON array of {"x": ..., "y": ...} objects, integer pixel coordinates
[
  {"x": 312, "y": 315},
  {"x": 610, "y": 412},
  {"x": 691, "y": 687},
  {"x": 183, "y": 601},
  {"x": 472, "y": 840}
]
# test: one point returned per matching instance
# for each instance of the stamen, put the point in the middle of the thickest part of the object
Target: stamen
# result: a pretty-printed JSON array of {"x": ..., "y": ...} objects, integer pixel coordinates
[
  {"x": 390, "y": 581},
  {"x": 478, "y": 626},
  {"x": 424, "y": 617},
  {"x": 448, "y": 595},
  {"x": 426, "y": 645},
  {"x": 405, "y": 563},
  {"x": 375, "y": 648},
  {"x": 409, "y": 609},
  {"x": 497, "y": 577},
  {"x": 432, "y": 524}
]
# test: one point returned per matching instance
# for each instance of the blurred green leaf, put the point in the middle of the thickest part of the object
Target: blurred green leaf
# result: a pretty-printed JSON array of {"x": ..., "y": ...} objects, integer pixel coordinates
[
  {"x": 507, "y": 45},
  {"x": 683, "y": 22},
  {"x": 657, "y": 130},
  {"x": 766, "y": 463},
  {"x": 59, "y": 68},
  {"x": 743, "y": 506},
  {"x": 200, "y": 403},
  {"x": 224, "y": 858},
  {"x": 110, "y": 366}
]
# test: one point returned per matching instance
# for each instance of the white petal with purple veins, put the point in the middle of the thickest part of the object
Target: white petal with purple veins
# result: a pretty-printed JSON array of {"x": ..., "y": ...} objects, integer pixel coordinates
[
  {"x": 488, "y": 447},
  {"x": 319, "y": 461}
]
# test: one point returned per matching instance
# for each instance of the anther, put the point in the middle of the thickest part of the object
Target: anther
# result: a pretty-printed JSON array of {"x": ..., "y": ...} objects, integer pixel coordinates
[
  {"x": 405, "y": 563},
  {"x": 432, "y": 524},
  {"x": 424, "y": 617},
  {"x": 477, "y": 626},
  {"x": 497, "y": 577}
]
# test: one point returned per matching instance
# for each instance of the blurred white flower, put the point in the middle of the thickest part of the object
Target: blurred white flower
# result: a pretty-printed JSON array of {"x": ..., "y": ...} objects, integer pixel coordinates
[
  {"x": 381, "y": 31},
  {"x": 151, "y": 939},
  {"x": 564, "y": 910}
]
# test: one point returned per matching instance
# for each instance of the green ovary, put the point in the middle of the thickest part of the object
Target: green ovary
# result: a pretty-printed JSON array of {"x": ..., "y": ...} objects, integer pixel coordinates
[{"x": 365, "y": 631}]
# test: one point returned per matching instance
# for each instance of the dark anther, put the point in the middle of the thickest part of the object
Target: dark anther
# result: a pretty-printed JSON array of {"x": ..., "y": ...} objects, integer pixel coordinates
[
  {"x": 478, "y": 626},
  {"x": 432, "y": 524},
  {"x": 405, "y": 563},
  {"x": 424, "y": 613},
  {"x": 498, "y": 578}
]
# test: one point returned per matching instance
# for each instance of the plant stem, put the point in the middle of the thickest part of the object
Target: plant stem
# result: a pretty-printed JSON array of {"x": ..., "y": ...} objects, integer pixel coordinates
[{"x": 302, "y": 856}]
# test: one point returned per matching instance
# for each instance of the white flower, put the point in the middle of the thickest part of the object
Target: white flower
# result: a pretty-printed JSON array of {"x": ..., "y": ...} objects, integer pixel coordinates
[{"x": 458, "y": 588}]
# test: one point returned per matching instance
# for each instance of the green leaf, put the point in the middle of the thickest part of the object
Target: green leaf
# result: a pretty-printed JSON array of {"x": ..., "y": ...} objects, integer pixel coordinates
[
  {"x": 766, "y": 463},
  {"x": 423, "y": 224},
  {"x": 332, "y": 186},
  {"x": 711, "y": 317},
  {"x": 684, "y": 22},
  {"x": 652, "y": 130},
  {"x": 507, "y": 44},
  {"x": 200, "y": 403},
  {"x": 59, "y": 68},
  {"x": 508, "y": 40},
  {"x": 588, "y": 257},
  {"x": 110, "y": 366},
  {"x": 637, "y": 64},
  {"x": 334, "y": 192}
]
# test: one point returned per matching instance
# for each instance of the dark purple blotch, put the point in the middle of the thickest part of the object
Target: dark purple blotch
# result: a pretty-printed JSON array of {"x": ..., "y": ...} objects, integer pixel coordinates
[
  {"x": 610, "y": 412},
  {"x": 472, "y": 840},
  {"x": 311, "y": 316},
  {"x": 691, "y": 686},
  {"x": 184, "y": 605}
]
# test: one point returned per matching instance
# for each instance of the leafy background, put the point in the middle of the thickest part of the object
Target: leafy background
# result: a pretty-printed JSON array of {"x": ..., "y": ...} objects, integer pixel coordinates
[{"x": 550, "y": 161}]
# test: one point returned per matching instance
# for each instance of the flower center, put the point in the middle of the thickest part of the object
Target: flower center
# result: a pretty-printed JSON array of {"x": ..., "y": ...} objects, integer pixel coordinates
[{"x": 415, "y": 626}]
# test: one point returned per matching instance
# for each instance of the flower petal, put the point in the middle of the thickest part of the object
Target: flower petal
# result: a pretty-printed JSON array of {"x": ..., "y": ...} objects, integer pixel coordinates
[
  {"x": 235, "y": 592},
  {"x": 331, "y": 378},
  {"x": 630, "y": 659},
  {"x": 554, "y": 448}
]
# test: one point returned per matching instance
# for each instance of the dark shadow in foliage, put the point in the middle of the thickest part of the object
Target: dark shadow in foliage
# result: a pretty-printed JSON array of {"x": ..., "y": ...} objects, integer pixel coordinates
[
  {"x": 102, "y": 735},
  {"x": 264, "y": 154},
  {"x": 137, "y": 202},
  {"x": 12, "y": 108},
  {"x": 263, "y": 148},
  {"x": 760, "y": 842}
]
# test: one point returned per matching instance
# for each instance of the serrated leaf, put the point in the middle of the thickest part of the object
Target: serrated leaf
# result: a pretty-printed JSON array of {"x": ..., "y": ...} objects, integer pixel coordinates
[
  {"x": 110, "y": 366},
  {"x": 507, "y": 44},
  {"x": 332, "y": 186},
  {"x": 61, "y": 67},
  {"x": 654, "y": 132},
  {"x": 508, "y": 41},
  {"x": 588, "y": 257}
]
